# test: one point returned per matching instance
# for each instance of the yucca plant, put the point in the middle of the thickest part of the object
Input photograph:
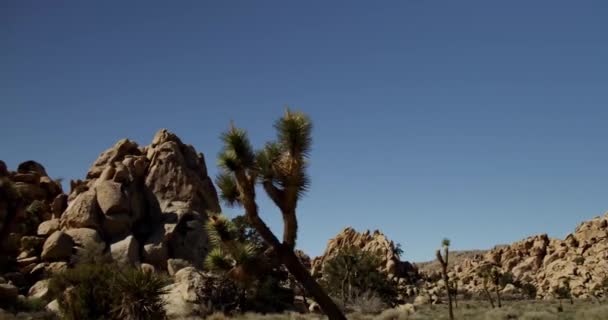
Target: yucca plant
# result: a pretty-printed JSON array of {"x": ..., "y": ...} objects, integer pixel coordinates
[
  {"x": 141, "y": 295},
  {"x": 280, "y": 167},
  {"x": 443, "y": 260},
  {"x": 236, "y": 259}
]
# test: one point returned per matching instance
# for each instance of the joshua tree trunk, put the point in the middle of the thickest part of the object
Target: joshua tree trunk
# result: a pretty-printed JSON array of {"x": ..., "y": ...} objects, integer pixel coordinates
[
  {"x": 455, "y": 287},
  {"x": 446, "y": 279},
  {"x": 292, "y": 263},
  {"x": 488, "y": 295},
  {"x": 290, "y": 229},
  {"x": 498, "y": 297}
]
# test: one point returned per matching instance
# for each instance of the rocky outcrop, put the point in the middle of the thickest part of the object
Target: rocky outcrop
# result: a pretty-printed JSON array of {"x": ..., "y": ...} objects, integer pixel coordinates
[
  {"x": 581, "y": 259},
  {"x": 152, "y": 200},
  {"x": 137, "y": 205},
  {"x": 372, "y": 242}
]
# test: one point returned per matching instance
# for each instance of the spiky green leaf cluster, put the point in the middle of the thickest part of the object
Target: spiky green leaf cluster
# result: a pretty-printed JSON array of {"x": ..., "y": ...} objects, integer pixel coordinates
[
  {"x": 220, "y": 230},
  {"x": 281, "y": 164},
  {"x": 229, "y": 192},
  {"x": 228, "y": 252},
  {"x": 294, "y": 132},
  {"x": 445, "y": 242},
  {"x": 237, "y": 153},
  {"x": 217, "y": 260}
]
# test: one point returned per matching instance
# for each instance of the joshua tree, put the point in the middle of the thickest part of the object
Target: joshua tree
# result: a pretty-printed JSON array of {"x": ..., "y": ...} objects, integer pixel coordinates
[
  {"x": 485, "y": 275},
  {"x": 454, "y": 291},
  {"x": 443, "y": 260},
  {"x": 281, "y": 169},
  {"x": 495, "y": 276},
  {"x": 398, "y": 250},
  {"x": 564, "y": 292},
  {"x": 353, "y": 272}
]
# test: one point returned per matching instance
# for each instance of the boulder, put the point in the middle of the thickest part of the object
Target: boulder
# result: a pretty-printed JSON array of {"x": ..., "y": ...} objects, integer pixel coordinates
[
  {"x": 407, "y": 308},
  {"x": 46, "y": 228},
  {"x": 509, "y": 289},
  {"x": 54, "y": 307},
  {"x": 40, "y": 290},
  {"x": 8, "y": 292},
  {"x": 177, "y": 173},
  {"x": 155, "y": 249},
  {"x": 83, "y": 212},
  {"x": 126, "y": 251},
  {"x": 174, "y": 265},
  {"x": 59, "y": 204},
  {"x": 117, "y": 226},
  {"x": 111, "y": 198},
  {"x": 31, "y": 166},
  {"x": 57, "y": 246},
  {"x": 422, "y": 300},
  {"x": 117, "y": 153},
  {"x": 87, "y": 241},
  {"x": 53, "y": 268},
  {"x": 182, "y": 297}
]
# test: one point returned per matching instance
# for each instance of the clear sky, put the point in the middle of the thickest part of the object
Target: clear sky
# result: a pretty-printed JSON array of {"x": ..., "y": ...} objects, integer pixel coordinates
[{"x": 481, "y": 121}]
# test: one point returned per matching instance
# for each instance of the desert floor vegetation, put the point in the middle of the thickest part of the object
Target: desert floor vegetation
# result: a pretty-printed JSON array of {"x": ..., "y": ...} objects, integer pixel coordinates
[{"x": 467, "y": 310}]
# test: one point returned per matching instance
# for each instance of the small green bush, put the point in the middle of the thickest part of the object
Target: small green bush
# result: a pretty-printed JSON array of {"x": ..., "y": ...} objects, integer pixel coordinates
[
  {"x": 107, "y": 291},
  {"x": 353, "y": 271}
]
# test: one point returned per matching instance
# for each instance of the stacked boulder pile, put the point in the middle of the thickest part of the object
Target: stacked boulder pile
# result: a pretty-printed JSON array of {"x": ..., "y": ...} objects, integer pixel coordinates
[
  {"x": 580, "y": 260},
  {"x": 140, "y": 206},
  {"x": 35, "y": 202},
  {"x": 375, "y": 243},
  {"x": 144, "y": 204}
]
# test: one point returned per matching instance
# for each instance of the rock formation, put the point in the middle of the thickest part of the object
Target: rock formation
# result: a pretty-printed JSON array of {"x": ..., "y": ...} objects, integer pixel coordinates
[
  {"x": 155, "y": 198},
  {"x": 376, "y": 243},
  {"x": 28, "y": 197},
  {"x": 581, "y": 259},
  {"x": 137, "y": 205}
]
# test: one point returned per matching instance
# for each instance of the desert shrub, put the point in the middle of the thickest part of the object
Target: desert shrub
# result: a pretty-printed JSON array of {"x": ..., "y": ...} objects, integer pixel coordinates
[
  {"x": 31, "y": 304},
  {"x": 141, "y": 295},
  {"x": 367, "y": 302},
  {"x": 529, "y": 290},
  {"x": 85, "y": 292},
  {"x": 269, "y": 295},
  {"x": 106, "y": 291},
  {"x": 353, "y": 271}
]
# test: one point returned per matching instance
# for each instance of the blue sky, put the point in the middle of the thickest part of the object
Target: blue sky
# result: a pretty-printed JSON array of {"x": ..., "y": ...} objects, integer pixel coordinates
[{"x": 481, "y": 121}]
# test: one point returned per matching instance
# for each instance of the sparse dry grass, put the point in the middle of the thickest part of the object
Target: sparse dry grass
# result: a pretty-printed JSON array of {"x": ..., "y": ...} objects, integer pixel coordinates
[{"x": 472, "y": 310}]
